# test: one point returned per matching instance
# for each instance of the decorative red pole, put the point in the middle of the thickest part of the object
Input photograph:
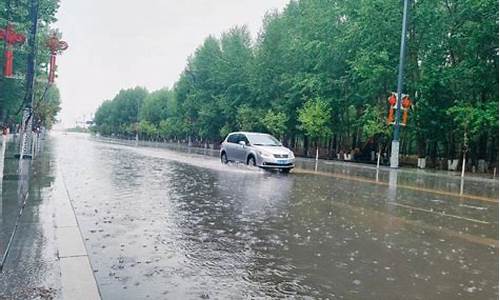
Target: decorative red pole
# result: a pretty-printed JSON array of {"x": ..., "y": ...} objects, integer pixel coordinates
[
  {"x": 56, "y": 46},
  {"x": 10, "y": 37}
]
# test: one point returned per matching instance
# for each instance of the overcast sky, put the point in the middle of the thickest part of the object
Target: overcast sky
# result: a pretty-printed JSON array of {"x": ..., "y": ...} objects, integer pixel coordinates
[{"x": 117, "y": 44}]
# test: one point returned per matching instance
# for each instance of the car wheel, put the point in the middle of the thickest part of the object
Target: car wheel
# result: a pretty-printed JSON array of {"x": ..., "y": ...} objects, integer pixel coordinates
[
  {"x": 223, "y": 158},
  {"x": 285, "y": 171},
  {"x": 251, "y": 161}
]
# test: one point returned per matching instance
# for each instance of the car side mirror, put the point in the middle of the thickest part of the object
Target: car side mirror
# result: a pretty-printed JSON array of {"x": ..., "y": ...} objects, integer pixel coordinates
[{"x": 242, "y": 143}]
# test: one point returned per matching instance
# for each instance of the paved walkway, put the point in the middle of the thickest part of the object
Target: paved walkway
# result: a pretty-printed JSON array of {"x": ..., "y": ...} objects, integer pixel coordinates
[{"x": 46, "y": 256}]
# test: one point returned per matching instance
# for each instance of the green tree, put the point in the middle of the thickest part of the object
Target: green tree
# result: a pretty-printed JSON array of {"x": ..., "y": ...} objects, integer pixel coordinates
[
  {"x": 343, "y": 54},
  {"x": 147, "y": 129},
  {"x": 275, "y": 123},
  {"x": 158, "y": 105},
  {"x": 47, "y": 106},
  {"x": 249, "y": 119},
  {"x": 197, "y": 90},
  {"x": 120, "y": 116},
  {"x": 12, "y": 91},
  {"x": 471, "y": 120},
  {"x": 314, "y": 118}
]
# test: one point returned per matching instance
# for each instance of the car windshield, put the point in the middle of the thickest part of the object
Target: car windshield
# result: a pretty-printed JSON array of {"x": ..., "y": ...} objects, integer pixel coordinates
[{"x": 262, "y": 140}]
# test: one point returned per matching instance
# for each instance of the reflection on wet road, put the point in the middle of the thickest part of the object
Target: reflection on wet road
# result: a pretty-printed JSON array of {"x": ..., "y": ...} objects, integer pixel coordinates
[
  {"x": 161, "y": 224},
  {"x": 31, "y": 269}
]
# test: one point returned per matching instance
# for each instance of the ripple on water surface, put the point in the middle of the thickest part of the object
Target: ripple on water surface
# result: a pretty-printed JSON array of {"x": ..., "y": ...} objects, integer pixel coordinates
[{"x": 179, "y": 226}]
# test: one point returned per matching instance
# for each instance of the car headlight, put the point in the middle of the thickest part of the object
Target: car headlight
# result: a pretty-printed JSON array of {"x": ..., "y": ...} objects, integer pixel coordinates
[
  {"x": 291, "y": 155},
  {"x": 265, "y": 154}
]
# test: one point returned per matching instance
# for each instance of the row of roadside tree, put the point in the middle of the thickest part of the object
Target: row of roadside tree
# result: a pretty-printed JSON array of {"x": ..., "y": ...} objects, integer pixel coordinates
[
  {"x": 320, "y": 73},
  {"x": 13, "y": 90}
]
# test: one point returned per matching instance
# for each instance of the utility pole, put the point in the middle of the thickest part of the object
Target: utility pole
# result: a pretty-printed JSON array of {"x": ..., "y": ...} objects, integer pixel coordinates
[
  {"x": 395, "y": 141},
  {"x": 26, "y": 126},
  {"x": 137, "y": 124}
]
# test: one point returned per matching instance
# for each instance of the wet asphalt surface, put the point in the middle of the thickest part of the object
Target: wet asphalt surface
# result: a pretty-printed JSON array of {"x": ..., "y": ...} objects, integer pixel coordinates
[{"x": 164, "y": 224}]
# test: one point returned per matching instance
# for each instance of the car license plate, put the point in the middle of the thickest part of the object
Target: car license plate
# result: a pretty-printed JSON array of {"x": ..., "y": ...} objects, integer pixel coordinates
[{"x": 282, "y": 161}]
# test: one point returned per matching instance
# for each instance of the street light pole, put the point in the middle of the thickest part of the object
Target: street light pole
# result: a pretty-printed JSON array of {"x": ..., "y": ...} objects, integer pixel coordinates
[
  {"x": 395, "y": 141},
  {"x": 137, "y": 124},
  {"x": 27, "y": 121}
]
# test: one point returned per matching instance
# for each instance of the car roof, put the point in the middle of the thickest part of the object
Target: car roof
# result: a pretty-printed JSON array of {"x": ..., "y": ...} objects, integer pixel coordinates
[{"x": 248, "y": 132}]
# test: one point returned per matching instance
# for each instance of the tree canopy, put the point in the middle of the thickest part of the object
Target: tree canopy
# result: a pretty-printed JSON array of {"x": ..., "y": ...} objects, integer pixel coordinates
[
  {"x": 12, "y": 90},
  {"x": 344, "y": 56}
]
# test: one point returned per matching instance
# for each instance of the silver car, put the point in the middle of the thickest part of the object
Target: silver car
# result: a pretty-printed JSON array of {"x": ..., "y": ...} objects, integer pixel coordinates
[{"x": 257, "y": 149}]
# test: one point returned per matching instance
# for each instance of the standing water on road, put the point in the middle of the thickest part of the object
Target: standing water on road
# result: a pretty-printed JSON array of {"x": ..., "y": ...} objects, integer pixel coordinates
[{"x": 161, "y": 224}]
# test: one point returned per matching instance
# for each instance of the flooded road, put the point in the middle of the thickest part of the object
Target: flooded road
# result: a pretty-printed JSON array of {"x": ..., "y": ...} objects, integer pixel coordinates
[{"x": 161, "y": 224}]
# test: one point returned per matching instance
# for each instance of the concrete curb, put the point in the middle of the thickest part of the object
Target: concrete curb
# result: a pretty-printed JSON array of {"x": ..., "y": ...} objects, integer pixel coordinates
[{"x": 77, "y": 278}]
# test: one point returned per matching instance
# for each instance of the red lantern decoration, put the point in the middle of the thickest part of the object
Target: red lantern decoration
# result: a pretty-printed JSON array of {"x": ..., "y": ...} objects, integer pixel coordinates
[
  {"x": 11, "y": 38},
  {"x": 392, "y": 102},
  {"x": 406, "y": 106},
  {"x": 56, "y": 46}
]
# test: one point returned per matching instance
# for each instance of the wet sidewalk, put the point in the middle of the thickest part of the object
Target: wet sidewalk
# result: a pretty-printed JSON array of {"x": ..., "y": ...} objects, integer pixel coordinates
[{"x": 44, "y": 256}]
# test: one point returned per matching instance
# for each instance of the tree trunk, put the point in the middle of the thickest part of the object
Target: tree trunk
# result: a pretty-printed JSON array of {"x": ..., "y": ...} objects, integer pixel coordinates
[
  {"x": 355, "y": 139},
  {"x": 421, "y": 146},
  {"x": 452, "y": 150},
  {"x": 306, "y": 146},
  {"x": 434, "y": 154},
  {"x": 330, "y": 148},
  {"x": 465, "y": 149},
  {"x": 493, "y": 157},
  {"x": 335, "y": 145},
  {"x": 317, "y": 148},
  {"x": 482, "y": 146},
  {"x": 285, "y": 140}
]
